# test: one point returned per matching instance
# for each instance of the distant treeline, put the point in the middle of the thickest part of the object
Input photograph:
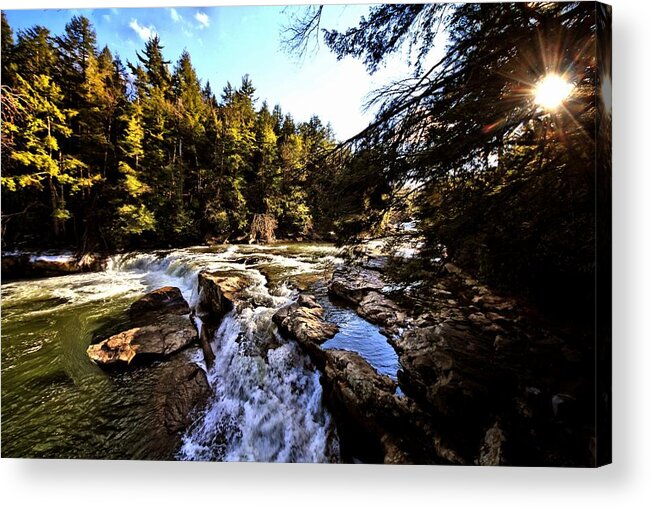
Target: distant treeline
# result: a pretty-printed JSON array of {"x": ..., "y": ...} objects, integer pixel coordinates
[{"x": 96, "y": 154}]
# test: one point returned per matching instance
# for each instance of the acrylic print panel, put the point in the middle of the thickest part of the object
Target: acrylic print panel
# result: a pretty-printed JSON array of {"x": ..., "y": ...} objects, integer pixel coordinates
[{"x": 341, "y": 234}]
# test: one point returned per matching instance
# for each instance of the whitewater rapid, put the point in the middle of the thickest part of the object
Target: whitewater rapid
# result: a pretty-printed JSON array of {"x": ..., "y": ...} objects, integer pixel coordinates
[
  {"x": 267, "y": 398},
  {"x": 266, "y": 402}
]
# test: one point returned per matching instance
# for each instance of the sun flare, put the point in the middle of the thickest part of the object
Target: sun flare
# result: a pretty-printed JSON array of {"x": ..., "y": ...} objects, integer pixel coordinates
[{"x": 551, "y": 91}]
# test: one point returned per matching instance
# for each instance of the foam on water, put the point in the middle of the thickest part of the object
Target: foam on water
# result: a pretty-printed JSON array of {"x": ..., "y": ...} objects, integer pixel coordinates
[{"x": 267, "y": 399}]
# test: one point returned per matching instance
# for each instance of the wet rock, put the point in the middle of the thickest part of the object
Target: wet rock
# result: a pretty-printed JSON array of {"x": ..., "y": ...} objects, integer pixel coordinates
[
  {"x": 181, "y": 390},
  {"x": 167, "y": 300},
  {"x": 217, "y": 295},
  {"x": 170, "y": 334},
  {"x": 492, "y": 451},
  {"x": 303, "y": 321},
  {"x": 353, "y": 283},
  {"x": 26, "y": 265},
  {"x": 381, "y": 310},
  {"x": 373, "y": 423}
]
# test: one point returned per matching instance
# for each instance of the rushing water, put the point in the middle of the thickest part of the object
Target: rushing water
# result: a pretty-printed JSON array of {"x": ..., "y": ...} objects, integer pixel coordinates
[{"x": 267, "y": 402}]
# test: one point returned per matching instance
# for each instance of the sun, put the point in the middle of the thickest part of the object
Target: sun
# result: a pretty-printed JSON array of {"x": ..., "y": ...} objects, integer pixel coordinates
[{"x": 551, "y": 91}]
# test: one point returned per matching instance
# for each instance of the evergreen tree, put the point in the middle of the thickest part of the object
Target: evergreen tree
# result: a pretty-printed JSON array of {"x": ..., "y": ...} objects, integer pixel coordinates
[{"x": 39, "y": 162}]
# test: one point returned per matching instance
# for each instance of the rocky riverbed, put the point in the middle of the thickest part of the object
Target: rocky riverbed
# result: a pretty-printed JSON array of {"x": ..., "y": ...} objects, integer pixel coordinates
[{"x": 242, "y": 357}]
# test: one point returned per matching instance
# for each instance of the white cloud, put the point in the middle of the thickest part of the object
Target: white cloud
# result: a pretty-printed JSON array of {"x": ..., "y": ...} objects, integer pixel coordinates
[
  {"x": 203, "y": 19},
  {"x": 144, "y": 32},
  {"x": 106, "y": 18},
  {"x": 176, "y": 17}
]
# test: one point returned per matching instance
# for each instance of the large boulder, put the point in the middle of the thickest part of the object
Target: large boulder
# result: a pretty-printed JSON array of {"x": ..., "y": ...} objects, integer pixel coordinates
[
  {"x": 170, "y": 334},
  {"x": 352, "y": 283},
  {"x": 162, "y": 328},
  {"x": 182, "y": 387},
  {"x": 180, "y": 390},
  {"x": 218, "y": 294}
]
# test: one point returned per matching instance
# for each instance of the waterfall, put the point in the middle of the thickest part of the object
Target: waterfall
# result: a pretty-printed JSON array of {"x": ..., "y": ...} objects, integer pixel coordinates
[{"x": 267, "y": 398}]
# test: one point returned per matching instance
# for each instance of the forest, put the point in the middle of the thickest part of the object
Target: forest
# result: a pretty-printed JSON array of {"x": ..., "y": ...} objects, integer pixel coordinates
[{"x": 99, "y": 154}]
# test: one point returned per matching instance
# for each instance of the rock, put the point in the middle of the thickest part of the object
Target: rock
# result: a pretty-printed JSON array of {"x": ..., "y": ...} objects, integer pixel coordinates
[
  {"x": 374, "y": 424},
  {"x": 217, "y": 295},
  {"x": 25, "y": 265},
  {"x": 303, "y": 321},
  {"x": 564, "y": 406},
  {"x": 377, "y": 262},
  {"x": 492, "y": 448},
  {"x": 168, "y": 300},
  {"x": 379, "y": 309},
  {"x": 447, "y": 368},
  {"x": 352, "y": 283},
  {"x": 180, "y": 390},
  {"x": 364, "y": 406},
  {"x": 170, "y": 334}
]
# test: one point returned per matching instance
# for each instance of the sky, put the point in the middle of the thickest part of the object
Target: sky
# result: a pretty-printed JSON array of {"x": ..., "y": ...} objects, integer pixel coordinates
[{"x": 226, "y": 43}]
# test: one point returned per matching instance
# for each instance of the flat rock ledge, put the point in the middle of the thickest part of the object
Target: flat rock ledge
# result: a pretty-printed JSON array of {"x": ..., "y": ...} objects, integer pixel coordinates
[
  {"x": 164, "y": 328},
  {"x": 478, "y": 368}
]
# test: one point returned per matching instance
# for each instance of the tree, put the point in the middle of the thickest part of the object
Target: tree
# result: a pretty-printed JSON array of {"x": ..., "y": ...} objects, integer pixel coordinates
[
  {"x": 39, "y": 162},
  {"x": 504, "y": 185},
  {"x": 34, "y": 53},
  {"x": 7, "y": 50}
]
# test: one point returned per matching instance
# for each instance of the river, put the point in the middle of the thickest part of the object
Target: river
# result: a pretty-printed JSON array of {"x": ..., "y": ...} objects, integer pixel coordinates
[{"x": 266, "y": 402}]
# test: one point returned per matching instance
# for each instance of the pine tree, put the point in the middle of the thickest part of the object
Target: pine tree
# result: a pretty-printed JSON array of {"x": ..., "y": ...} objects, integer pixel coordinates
[{"x": 40, "y": 163}]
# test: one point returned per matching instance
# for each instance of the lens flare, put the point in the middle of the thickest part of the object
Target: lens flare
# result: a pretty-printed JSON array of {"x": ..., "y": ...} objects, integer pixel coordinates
[{"x": 551, "y": 91}]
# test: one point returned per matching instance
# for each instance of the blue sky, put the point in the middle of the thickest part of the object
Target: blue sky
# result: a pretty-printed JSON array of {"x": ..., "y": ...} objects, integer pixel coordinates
[{"x": 227, "y": 42}]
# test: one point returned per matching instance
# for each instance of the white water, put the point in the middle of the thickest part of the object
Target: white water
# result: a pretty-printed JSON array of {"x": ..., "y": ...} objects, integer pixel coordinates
[{"x": 267, "y": 397}]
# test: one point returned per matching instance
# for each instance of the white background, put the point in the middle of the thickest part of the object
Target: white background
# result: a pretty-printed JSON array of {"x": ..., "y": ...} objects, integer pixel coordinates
[{"x": 626, "y": 482}]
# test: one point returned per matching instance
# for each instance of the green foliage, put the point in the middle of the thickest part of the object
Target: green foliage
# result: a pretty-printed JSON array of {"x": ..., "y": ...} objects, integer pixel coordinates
[
  {"x": 147, "y": 157},
  {"x": 134, "y": 219}
]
